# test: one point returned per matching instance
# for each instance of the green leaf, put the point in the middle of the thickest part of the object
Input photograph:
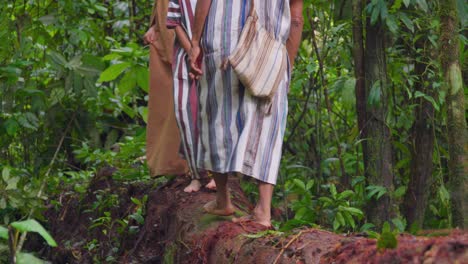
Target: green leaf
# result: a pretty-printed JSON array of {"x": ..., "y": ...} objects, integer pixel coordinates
[
  {"x": 333, "y": 190},
  {"x": 11, "y": 126},
  {"x": 138, "y": 218},
  {"x": 136, "y": 201},
  {"x": 345, "y": 194},
  {"x": 396, "y": 5},
  {"x": 32, "y": 225},
  {"x": 113, "y": 71},
  {"x": 349, "y": 218},
  {"x": 400, "y": 191},
  {"x": 351, "y": 210},
  {"x": 310, "y": 184},
  {"x": 127, "y": 83},
  {"x": 326, "y": 201},
  {"x": 392, "y": 24},
  {"x": 264, "y": 233},
  {"x": 406, "y": 2},
  {"x": 74, "y": 63},
  {"x": 374, "y": 15},
  {"x": 300, "y": 184},
  {"x": 29, "y": 120},
  {"x": 3, "y": 232},
  {"x": 112, "y": 56},
  {"x": 444, "y": 195},
  {"x": 12, "y": 183},
  {"x": 407, "y": 21},
  {"x": 142, "y": 78},
  {"x": 32, "y": 119},
  {"x": 336, "y": 224},
  {"x": 386, "y": 227},
  {"x": 143, "y": 111},
  {"x": 423, "y": 5},
  {"x": 28, "y": 258},
  {"x": 6, "y": 173},
  {"x": 387, "y": 240},
  {"x": 88, "y": 71},
  {"x": 366, "y": 227},
  {"x": 57, "y": 59},
  {"x": 340, "y": 219},
  {"x": 376, "y": 190},
  {"x": 301, "y": 213},
  {"x": 418, "y": 94},
  {"x": 399, "y": 224}
]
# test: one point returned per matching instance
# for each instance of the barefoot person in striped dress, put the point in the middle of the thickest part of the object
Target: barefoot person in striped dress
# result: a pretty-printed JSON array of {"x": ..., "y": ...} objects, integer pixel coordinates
[
  {"x": 180, "y": 18},
  {"x": 236, "y": 136}
]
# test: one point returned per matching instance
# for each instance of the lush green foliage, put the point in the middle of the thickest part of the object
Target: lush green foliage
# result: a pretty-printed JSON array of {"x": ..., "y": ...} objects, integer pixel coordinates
[
  {"x": 76, "y": 71},
  {"x": 12, "y": 234}
]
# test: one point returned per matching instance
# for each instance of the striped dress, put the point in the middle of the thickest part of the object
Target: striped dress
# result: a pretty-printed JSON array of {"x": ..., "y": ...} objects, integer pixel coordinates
[
  {"x": 235, "y": 134},
  {"x": 181, "y": 13}
]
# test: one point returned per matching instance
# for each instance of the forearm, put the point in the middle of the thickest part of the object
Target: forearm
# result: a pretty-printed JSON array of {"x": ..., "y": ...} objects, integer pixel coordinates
[
  {"x": 201, "y": 12},
  {"x": 295, "y": 34},
  {"x": 183, "y": 38}
]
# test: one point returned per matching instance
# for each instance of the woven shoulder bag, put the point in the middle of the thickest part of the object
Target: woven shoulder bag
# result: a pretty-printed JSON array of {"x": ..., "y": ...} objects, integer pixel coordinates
[{"x": 259, "y": 60}]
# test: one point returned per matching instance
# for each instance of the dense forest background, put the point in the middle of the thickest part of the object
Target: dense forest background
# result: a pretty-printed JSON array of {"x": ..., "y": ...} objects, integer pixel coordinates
[{"x": 377, "y": 114}]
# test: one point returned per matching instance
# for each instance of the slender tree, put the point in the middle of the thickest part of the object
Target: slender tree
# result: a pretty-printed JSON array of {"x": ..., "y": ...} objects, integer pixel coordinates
[
  {"x": 455, "y": 100},
  {"x": 359, "y": 73},
  {"x": 422, "y": 138},
  {"x": 379, "y": 169}
]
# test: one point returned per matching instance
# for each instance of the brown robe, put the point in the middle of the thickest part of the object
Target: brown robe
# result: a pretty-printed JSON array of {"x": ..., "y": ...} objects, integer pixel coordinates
[{"x": 162, "y": 133}]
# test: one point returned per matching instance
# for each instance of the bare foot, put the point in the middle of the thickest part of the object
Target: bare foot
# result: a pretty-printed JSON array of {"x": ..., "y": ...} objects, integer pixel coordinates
[
  {"x": 256, "y": 217},
  {"x": 211, "y": 185},
  {"x": 261, "y": 217},
  {"x": 194, "y": 186},
  {"x": 212, "y": 208}
]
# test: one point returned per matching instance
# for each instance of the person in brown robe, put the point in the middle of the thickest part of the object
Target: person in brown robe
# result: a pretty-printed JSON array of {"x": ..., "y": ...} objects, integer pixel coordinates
[{"x": 162, "y": 133}]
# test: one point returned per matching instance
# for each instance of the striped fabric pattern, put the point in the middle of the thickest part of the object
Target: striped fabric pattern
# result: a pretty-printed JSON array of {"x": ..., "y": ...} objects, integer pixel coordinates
[
  {"x": 235, "y": 134},
  {"x": 181, "y": 12}
]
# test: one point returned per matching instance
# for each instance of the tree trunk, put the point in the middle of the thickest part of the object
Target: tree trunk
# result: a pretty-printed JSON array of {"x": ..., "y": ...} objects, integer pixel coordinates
[
  {"x": 379, "y": 170},
  {"x": 422, "y": 149},
  {"x": 455, "y": 100},
  {"x": 359, "y": 73}
]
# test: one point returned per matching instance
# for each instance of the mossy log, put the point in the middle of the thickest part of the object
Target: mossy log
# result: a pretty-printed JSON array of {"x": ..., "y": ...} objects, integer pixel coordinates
[{"x": 176, "y": 230}]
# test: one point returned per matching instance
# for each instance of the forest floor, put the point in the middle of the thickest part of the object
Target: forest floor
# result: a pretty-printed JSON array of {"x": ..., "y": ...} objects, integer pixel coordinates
[{"x": 111, "y": 223}]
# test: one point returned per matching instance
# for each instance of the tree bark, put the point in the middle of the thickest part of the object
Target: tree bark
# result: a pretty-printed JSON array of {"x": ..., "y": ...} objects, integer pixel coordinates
[
  {"x": 456, "y": 122},
  {"x": 185, "y": 234},
  {"x": 359, "y": 73},
  {"x": 422, "y": 148},
  {"x": 379, "y": 170}
]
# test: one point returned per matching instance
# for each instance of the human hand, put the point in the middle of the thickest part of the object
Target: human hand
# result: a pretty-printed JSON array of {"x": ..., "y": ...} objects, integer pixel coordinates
[
  {"x": 195, "y": 62},
  {"x": 150, "y": 36}
]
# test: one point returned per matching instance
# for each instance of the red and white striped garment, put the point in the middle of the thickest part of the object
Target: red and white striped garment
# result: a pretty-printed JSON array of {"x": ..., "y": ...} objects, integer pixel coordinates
[{"x": 181, "y": 13}]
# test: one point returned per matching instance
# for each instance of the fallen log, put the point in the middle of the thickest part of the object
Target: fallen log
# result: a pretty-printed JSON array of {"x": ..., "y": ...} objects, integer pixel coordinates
[
  {"x": 186, "y": 234},
  {"x": 176, "y": 230}
]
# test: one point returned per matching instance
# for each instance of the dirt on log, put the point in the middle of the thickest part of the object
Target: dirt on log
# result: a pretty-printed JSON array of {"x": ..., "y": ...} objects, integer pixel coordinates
[{"x": 176, "y": 230}]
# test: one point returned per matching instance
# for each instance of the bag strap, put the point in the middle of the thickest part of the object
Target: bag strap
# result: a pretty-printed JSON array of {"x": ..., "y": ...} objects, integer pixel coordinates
[{"x": 252, "y": 8}]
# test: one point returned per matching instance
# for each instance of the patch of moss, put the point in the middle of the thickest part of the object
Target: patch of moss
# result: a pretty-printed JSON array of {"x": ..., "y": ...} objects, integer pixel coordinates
[
  {"x": 169, "y": 254},
  {"x": 207, "y": 220}
]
